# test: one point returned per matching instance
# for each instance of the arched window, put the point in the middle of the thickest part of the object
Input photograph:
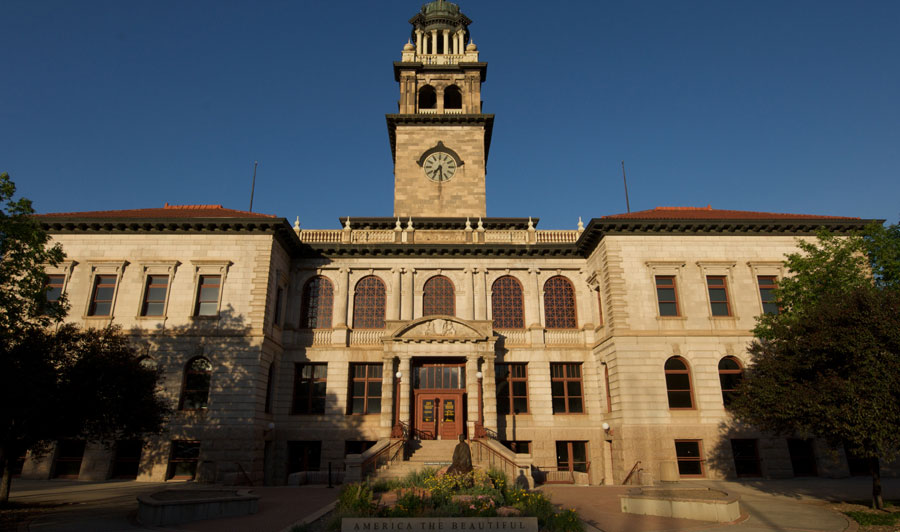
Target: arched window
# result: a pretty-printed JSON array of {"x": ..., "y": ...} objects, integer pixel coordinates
[
  {"x": 438, "y": 297},
  {"x": 195, "y": 391},
  {"x": 507, "y": 308},
  {"x": 368, "y": 304},
  {"x": 730, "y": 373},
  {"x": 678, "y": 383},
  {"x": 318, "y": 300},
  {"x": 559, "y": 303},
  {"x": 452, "y": 98},
  {"x": 427, "y": 98}
]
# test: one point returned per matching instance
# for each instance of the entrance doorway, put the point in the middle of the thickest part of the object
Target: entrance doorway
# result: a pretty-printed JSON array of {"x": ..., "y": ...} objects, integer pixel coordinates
[{"x": 439, "y": 400}]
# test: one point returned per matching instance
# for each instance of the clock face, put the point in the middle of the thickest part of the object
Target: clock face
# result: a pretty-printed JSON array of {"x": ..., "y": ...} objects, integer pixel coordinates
[{"x": 439, "y": 166}]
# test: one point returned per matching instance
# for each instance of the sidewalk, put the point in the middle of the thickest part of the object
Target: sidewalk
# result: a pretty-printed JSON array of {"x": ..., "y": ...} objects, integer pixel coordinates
[
  {"x": 779, "y": 505},
  {"x": 111, "y": 506}
]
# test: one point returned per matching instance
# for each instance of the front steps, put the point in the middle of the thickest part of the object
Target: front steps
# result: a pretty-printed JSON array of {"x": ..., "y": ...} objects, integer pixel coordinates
[{"x": 425, "y": 453}]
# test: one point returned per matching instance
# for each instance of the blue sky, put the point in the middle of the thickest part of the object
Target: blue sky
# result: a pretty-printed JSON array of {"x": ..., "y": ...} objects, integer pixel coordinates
[{"x": 751, "y": 105}]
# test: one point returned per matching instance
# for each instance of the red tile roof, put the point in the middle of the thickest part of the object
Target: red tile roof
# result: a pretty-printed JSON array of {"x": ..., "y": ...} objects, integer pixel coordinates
[
  {"x": 708, "y": 213},
  {"x": 166, "y": 212}
]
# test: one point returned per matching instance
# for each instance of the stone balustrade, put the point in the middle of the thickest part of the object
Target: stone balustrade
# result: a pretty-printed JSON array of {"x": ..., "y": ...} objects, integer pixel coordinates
[
  {"x": 563, "y": 337},
  {"x": 490, "y": 236},
  {"x": 557, "y": 236},
  {"x": 366, "y": 336}
]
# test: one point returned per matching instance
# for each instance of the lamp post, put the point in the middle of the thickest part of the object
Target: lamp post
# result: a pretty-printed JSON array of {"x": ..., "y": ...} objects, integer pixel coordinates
[
  {"x": 397, "y": 429},
  {"x": 479, "y": 425}
]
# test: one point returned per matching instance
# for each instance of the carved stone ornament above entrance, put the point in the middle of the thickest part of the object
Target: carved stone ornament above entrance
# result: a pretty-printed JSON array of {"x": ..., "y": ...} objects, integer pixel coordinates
[{"x": 441, "y": 329}]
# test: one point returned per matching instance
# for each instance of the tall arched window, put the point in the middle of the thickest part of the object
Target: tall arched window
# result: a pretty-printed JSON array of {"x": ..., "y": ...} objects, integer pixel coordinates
[
  {"x": 730, "y": 373},
  {"x": 507, "y": 308},
  {"x": 368, "y": 304},
  {"x": 318, "y": 300},
  {"x": 678, "y": 383},
  {"x": 195, "y": 390},
  {"x": 559, "y": 303},
  {"x": 438, "y": 297},
  {"x": 452, "y": 98},
  {"x": 427, "y": 98}
]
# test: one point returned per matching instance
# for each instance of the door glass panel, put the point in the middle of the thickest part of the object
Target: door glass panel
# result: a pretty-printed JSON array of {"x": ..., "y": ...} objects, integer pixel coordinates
[
  {"x": 449, "y": 409},
  {"x": 428, "y": 410}
]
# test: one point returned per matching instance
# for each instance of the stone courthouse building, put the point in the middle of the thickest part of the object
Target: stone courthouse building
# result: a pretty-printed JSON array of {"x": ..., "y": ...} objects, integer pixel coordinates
[{"x": 602, "y": 354}]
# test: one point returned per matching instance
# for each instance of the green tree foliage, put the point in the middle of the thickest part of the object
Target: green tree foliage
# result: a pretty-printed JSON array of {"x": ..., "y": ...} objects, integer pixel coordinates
[
  {"x": 58, "y": 381},
  {"x": 828, "y": 364},
  {"x": 24, "y": 254}
]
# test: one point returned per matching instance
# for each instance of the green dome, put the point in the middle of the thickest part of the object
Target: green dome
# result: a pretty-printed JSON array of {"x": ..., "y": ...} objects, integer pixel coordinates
[
  {"x": 440, "y": 7},
  {"x": 439, "y": 15}
]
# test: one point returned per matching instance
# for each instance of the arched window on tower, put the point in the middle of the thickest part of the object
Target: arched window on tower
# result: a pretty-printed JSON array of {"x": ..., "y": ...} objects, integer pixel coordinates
[
  {"x": 368, "y": 303},
  {"x": 730, "y": 374},
  {"x": 452, "y": 98},
  {"x": 317, "y": 304},
  {"x": 195, "y": 388},
  {"x": 559, "y": 304},
  {"x": 438, "y": 297},
  {"x": 427, "y": 98},
  {"x": 507, "y": 308},
  {"x": 678, "y": 384}
]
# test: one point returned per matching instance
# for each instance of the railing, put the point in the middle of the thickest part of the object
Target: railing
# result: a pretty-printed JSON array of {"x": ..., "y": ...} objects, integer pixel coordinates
[
  {"x": 388, "y": 455},
  {"x": 556, "y": 236},
  {"x": 452, "y": 111},
  {"x": 563, "y": 337},
  {"x": 635, "y": 469},
  {"x": 506, "y": 236},
  {"x": 324, "y": 236},
  {"x": 445, "y": 236},
  {"x": 314, "y": 336},
  {"x": 366, "y": 336},
  {"x": 559, "y": 474},
  {"x": 358, "y": 237},
  {"x": 446, "y": 59},
  {"x": 489, "y": 458},
  {"x": 513, "y": 336}
]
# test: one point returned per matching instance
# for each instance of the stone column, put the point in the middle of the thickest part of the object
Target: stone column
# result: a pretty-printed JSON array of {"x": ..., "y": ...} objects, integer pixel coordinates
[
  {"x": 446, "y": 41},
  {"x": 406, "y": 307},
  {"x": 472, "y": 392},
  {"x": 532, "y": 299},
  {"x": 489, "y": 392},
  {"x": 468, "y": 310},
  {"x": 341, "y": 296},
  {"x": 405, "y": 389},
  {"x": 434, "y": 42},
  {"x": 388, "y": 400},
  {"x": 419, "y": 41},
  {"x": 393, "y": 310},
  {"x": 480, "y": 294}
]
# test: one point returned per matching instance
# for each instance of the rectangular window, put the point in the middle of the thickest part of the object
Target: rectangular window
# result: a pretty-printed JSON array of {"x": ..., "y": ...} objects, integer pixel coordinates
[
  {"x": 803, "y": 457},
  {"x": 102, "y": 295},
  {"x": 309, "y": 388},
  {"x": 208, "y": 295},
  {"x": 365, "y": 388},
  {"x": 608, "y": 394},
  {"x": 357, "y": 446},
  {"x": 55, "y": 287},
  {"x": 155, "y": 295},
  {"x": 666, "y": 295},
  {"x": 565, "y": 385},
  {"x": 718, "y": 295},
  {"x": 69, "y": 454},
  {"x": 279, "y": 296},
  {"x": 767, "y": 284},
  {"x": 571, "y": 456},
  {"x": 127, "y": 458},
  {"x": 512, "y": 388},
  {"x": 183, "y": 460},
  {"x": 746, "y": 458},
  {"x": 599, "y": 308},
  {"x": 690, "y": 458}
]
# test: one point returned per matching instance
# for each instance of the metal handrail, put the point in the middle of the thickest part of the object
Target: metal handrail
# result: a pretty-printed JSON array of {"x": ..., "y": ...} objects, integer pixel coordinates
[
  {"x": 384, "y": 456},
  {"x": 570, "y": 478},
  {"x": 633, "y": 471},
  {"x": 506, "y": 465}
]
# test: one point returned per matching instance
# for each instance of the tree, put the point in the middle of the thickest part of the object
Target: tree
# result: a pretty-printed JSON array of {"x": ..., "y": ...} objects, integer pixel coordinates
[
  {"x": 828, "y": 364},
  {"x": 59, "y": 382}
]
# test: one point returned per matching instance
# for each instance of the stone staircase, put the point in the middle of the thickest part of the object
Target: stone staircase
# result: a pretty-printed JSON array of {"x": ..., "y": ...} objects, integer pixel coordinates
[{"x": 426, "y": 453}]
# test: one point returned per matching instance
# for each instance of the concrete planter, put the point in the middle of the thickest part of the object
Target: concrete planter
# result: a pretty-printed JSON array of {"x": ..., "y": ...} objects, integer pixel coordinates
[
  {"x": 702, "y": 504},
  {"x": 171, "y": 507}
]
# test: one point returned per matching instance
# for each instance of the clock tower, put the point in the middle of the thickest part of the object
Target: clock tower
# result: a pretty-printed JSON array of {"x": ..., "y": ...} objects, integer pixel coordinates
[{"x": 440, "y": 138}]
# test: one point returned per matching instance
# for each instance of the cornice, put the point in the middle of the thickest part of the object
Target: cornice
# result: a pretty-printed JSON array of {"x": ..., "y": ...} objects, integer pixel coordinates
[{"x": 462, "y": 66}]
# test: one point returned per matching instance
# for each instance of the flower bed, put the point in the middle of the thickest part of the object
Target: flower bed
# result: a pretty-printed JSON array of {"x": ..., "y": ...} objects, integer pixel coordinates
[{"x": 430, "y": 494}]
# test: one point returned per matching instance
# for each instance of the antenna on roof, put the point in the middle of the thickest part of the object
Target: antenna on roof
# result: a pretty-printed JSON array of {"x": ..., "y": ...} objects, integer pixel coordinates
[
  {"x": 253, "y": 185},
  {"x": 627, "y": 204}
]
